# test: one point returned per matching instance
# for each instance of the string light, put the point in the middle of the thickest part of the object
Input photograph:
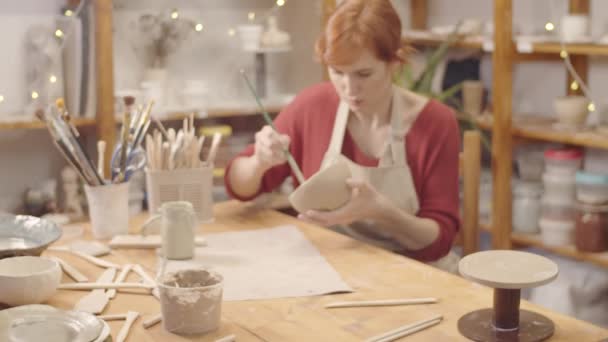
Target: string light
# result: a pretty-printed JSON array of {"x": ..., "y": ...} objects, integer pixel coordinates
[
  {"x": 563, "y": 54},
  {"x": 1, "y": 98},
  {"x": 591, "y": 107},
  {"x": 280, "y": 3},
  {"x": 574, "y": 85},
  {"x": 35, "y": 95},
  {"x": 251, "y": 16},
  {"x": 53, "y": 79},
  {"x": 198, "y": 27},
  {"x": 174, "y": 14},
  {"x": 58, "y": 33},
  {"x": 549, "y": 26},
  {"x": 68, "y": 13},
  {"x": 231, "y": 32}
]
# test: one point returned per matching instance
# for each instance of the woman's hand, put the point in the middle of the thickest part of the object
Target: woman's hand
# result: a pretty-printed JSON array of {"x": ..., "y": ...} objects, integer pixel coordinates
[
  {"x": 365, "y": 202},
  {"x": 270, "y": 147}
]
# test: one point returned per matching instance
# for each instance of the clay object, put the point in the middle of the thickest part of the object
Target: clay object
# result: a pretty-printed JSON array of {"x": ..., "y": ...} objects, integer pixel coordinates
[
  {"x": 273, "y": 37},
  {"x": 28, "y": 280},
  {"x": 325, "y": 190},
  {"x": 571, "y": 110},
  {"x": 191, "y": 301},
  {"x": 472, "y": 97}
]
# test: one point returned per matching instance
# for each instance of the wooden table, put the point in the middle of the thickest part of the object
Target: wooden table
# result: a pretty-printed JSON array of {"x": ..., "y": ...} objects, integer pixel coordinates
[{"x": 373, "y": 274}]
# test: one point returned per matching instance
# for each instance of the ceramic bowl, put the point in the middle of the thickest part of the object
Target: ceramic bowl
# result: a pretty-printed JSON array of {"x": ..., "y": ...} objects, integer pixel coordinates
[
  {"x": 571, "y": 110},
  {"x": 25, "y": 235},
  {"x": 28, "y": 280},
  {"x": 325, "y": 190}
]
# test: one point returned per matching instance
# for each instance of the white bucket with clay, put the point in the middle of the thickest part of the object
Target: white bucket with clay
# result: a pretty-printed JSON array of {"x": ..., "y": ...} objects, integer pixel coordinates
[{"x": 191, "y": 301}]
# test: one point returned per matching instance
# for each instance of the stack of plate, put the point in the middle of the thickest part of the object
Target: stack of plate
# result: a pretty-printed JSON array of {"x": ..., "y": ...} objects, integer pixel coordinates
[{"x": 38, "y": 322}]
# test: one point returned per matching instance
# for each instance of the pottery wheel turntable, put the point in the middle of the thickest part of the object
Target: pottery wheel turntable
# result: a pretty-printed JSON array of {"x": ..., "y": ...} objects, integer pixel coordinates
[{"x": 507, "y": 272}]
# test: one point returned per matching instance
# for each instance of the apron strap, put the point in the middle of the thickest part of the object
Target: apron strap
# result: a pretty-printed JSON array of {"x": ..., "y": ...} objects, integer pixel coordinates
[
  {"x": 337, "y": 136},
  {"x": 396, "y": 155}
]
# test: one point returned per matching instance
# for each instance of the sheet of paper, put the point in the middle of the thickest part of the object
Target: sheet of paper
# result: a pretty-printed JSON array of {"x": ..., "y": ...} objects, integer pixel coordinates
[{"x": 266, "y": 263}]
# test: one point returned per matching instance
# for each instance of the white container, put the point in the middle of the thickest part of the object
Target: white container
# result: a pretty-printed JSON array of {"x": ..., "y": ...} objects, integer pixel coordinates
[
  {"x": 108, "y": 209},
  {"x": 560, "y": 185},
  {"x": 178, "y": 224},
  {"x": 190, "y": 185},
  {"x": 530, "y": 163},
  {"x": 591, "y": 188},
  {"x": 571, "y": 110},
  {"x": 251, "y": 36},
  {"x": 566, "y": 160},
  {"x": 557, "y": 233},
  {"x": 575, "y": 27},
  {"x": 526, "y": 207},
  {"x": 557, "y": 209}
]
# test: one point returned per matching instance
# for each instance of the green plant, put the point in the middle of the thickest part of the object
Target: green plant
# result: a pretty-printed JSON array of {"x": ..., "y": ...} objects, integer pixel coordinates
[{"x": 423, "y": 84}]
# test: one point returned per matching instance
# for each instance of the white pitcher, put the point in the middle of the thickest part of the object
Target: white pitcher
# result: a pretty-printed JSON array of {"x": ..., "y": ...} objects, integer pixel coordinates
[{"x": 178, "y": 221}]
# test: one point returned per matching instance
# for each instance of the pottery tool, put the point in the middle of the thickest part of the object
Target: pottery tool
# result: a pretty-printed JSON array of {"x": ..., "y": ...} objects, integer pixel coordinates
[
  {"x": 116, "y": 317},
  {"x": 406, "y": 330},
  {"x": 101, "y": 150},
  {"x": 126, "y": 327},
  {"x": 146, "y": 277},
  {"x": 66, "y": 116},
  {"x": 92, "y": 248},
  {"x": 96, "y": 301},
  {"x": 152, "y": 321},
  {"x": 124, "y": 145},
  {"x": 124, "y": 271},
  {"x": 290, "y": 160},
  {"x": 71, "y": 271},
  {"x": 388, "y": 302},
  {"x": 145, "y": 241},
  {"x": 215, "y": 143},
  {"x": 94, "y": 260},
  {"x": 105, "y": 286},
  {"x": 229, "y": 338}
]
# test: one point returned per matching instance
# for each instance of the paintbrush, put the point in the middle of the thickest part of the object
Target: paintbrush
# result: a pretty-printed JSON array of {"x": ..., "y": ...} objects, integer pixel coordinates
[{"x": 290, "y": 160}]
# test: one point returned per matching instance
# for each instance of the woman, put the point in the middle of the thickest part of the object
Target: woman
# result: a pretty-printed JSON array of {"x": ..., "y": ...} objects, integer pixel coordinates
[{"x": 403, "y": 146}]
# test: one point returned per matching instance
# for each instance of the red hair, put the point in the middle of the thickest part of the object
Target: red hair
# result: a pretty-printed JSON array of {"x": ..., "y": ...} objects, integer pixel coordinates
[{"x": 360, "y": 24}]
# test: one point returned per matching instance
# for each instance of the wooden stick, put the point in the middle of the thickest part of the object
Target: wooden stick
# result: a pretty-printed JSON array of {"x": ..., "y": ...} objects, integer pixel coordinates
[
  {"x": 152, "y": 321},
  {"x": 406, "y": 330},
  {"x": 94, "y": 286},
  {"x": 94, "y": 260},
  {"x": 71, "y": 271},
  {"x": 387, "y": 302},
  {"x": 124, "y": 331},
  {"x": 101, "y": 150},
  {"x": 117, "y": 317},
  {"x": 229, "y": 338},
  {"x": 121, "y": 278},
  {"x": 146, "y": 277}
]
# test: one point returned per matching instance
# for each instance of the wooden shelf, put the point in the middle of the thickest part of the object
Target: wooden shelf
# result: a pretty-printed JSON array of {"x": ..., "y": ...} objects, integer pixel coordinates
[
  {"x": 220, "y": 113},
  {"x": 420, "y": 38},
  {"x": 543, "y": 129},
  {"x": 589, "y": 49},
  {"x": 534, "y": 240},
  {"x": 37, "y": 124}
]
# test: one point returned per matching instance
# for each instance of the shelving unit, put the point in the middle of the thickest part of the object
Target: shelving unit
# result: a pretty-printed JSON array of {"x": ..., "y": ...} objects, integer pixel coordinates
[
  {"x": 29, "y": 124},
  {"x": 505, "y": 126}
]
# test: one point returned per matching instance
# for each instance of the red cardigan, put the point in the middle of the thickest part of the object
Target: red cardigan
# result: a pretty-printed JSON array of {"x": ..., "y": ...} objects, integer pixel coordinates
[{"x": 432, "y": 148}]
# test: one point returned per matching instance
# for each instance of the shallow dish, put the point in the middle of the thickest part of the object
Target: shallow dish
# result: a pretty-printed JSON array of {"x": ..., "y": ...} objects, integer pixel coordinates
[
  {"x": 326, "y": 190},
  {"x": 25, "y": 235}
]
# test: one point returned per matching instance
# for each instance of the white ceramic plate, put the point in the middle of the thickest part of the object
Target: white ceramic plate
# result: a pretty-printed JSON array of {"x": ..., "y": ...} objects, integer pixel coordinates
[{"x": 37, "y": 322}]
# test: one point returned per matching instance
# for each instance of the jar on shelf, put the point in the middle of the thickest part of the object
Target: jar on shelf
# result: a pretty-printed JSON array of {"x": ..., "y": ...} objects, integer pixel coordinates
[
  {"x": 563, "y": 160},
  {"x": 560, "y": 185},
  {"x": 591, "y": 233},
  {"x": 557, "y": 232},
  {"x": 591, "y": 188},
  {"x": 526, "y": 207},
  {"x": 557, "y": 209}
]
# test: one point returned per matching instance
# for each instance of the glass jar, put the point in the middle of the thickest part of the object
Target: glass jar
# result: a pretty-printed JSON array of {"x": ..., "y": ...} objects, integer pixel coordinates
[
  {"x": 591, "y": 234},
  {"x": 526, "y": 207}
]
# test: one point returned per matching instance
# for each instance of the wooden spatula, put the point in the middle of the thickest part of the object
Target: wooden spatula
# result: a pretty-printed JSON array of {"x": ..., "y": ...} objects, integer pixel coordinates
[{"x": 96, "y": 301}]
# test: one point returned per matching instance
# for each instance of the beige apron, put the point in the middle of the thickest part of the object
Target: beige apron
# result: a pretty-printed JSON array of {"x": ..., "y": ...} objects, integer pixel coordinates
[{"x": 392, "y": 178}]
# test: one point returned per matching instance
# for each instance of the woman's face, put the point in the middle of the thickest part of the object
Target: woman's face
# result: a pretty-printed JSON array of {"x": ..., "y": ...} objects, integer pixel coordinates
[{"x": 365, "y": 84}]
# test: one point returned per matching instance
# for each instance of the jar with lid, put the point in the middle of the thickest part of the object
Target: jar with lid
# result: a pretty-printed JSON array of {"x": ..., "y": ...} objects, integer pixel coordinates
[
  {"x": 591, "y": 232},
  {"x": 526, "y": 207},
  {"x": 563, "y": 160}
]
